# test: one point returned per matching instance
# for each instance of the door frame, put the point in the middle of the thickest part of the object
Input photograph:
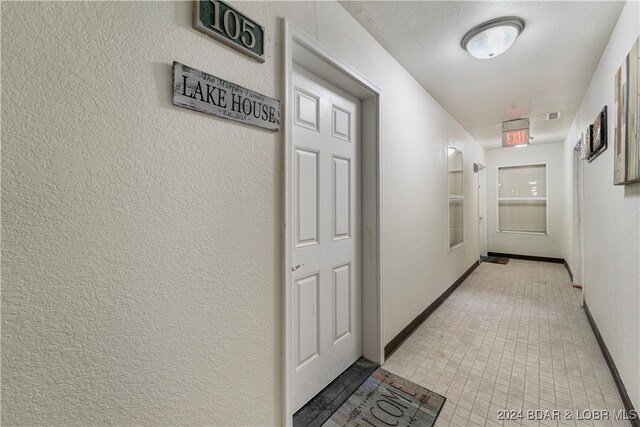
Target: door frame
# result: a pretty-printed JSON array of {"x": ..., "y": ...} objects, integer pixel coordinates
[
  {"x": 482, "y": 172},
  {"x": 578, "y": 217},
  {"x": 303, "y": 50}
]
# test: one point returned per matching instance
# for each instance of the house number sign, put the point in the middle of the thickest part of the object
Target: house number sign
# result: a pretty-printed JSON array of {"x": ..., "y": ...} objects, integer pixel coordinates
[
  {"x": 197, "y": 90},
  {"x": 226, "y": 24}
]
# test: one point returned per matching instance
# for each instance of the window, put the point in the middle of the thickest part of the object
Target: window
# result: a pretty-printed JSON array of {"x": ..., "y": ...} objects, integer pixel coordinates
[
  {"x": 456, "y": 199},
  {"x": 522, "y": 199}
]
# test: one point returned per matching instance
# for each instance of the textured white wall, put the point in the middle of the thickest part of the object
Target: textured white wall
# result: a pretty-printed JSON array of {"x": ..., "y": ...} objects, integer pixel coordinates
[
  {"x": 141, "y": 252},
  {"x": 611, "y": 218},
  {"x": 549, "y": 245},
  {"x": 418, "y": 265}
]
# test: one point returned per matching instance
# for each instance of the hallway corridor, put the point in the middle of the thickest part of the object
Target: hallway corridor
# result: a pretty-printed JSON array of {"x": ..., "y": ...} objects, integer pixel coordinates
[
  {"x": 511, "y": 337},
  {"x": 267, "y": 213}
]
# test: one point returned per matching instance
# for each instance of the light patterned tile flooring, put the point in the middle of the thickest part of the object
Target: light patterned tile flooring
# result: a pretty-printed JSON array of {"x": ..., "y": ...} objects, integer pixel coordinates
[{"x": 511, "y": 337}]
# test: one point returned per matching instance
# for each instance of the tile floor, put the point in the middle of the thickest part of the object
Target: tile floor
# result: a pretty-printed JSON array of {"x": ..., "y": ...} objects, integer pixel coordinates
[{"x": 511, "y": 337}]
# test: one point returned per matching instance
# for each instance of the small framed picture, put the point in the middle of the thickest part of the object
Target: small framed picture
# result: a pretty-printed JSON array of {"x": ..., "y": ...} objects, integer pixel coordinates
[{"x": 598, "y": 135}]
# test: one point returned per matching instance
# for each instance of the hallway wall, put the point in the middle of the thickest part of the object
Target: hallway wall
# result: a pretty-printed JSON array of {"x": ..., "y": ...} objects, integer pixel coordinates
[
  {"x": 551, "y": 244},
  {"x": 611, "y": 218},
  {"x": 141, "y": 251}
]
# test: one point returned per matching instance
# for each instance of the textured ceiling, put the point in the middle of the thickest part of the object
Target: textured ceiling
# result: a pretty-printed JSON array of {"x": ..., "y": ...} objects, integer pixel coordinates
[{"x": 547, "y": 69}]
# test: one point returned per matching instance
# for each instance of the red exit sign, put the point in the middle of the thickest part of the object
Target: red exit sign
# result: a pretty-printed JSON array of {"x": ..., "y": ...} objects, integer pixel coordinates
[{"x": 515, "y": 137}]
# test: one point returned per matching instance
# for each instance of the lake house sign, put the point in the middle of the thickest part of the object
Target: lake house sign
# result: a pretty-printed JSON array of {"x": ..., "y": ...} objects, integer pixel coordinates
[{"x": 209, "y": 94}]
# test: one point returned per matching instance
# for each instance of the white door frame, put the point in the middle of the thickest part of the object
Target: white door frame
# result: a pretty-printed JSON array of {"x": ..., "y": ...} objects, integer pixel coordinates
[
  {"x": 301, "y": 49},
  {"x": 482, "y": 172},
  {"x": 578, "y": 220}
]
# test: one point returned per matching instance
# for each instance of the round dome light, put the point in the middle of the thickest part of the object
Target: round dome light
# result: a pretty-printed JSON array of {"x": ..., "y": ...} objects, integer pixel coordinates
[{"x": 492, "y": 38}]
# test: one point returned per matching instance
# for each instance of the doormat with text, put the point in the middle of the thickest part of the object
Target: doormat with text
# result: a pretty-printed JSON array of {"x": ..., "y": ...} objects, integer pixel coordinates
[{"x": 385, "y": 399}]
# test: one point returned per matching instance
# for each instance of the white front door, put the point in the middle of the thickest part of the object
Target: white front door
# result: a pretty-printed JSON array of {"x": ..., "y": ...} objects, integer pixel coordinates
[
  {"x": 482, "y": 210},
  {"x": 325, "y": 234}
]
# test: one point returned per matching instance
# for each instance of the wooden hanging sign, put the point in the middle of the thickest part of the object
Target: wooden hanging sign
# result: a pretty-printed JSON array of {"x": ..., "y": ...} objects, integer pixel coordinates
[{"x": 197, "y": 90}]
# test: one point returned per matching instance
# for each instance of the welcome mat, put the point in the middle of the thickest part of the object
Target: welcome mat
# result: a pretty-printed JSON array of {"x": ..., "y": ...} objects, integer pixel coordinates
[
  {"x": 385, "y": 399},
  {"x": 496, "y": 260}
]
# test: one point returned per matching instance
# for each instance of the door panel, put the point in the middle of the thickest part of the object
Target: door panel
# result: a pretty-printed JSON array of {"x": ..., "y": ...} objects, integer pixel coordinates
[
  {"x": 307, "y": 319},
  {"x": 326, "y": 233},
  {"x": 341, "y": 302},
  {"x": 307, "y": 109},
  {"x": 307, "y": 192},
  {"x": 341, "y": 198},
  {"x": 341, "y": 123}
]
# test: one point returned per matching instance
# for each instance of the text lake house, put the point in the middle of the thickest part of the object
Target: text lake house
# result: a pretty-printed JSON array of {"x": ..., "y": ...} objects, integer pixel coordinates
[{"x": 209, "y": 94}]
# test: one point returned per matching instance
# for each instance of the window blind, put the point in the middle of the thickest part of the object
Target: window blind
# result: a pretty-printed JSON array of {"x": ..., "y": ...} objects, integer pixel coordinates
[
  {"x": 522, "y": 199},
  {"x": 523, "y": 181}
]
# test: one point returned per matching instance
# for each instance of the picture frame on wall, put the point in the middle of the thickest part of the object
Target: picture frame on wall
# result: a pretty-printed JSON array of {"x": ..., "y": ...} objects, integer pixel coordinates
[
  {"x": 598, "y": 135},
  {"x": 626, "y": 168}
]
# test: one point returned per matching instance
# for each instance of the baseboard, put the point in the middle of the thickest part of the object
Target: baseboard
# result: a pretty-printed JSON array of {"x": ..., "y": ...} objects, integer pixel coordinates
[
  {"x": 407, "y": 331},
  {"x": 566, "y": 265},
  {"x": 528, "y": 257},
  {"x": 622, "y": 391}
]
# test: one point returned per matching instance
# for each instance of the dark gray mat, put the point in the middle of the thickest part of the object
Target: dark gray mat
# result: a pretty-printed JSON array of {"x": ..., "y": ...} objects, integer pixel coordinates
[
  {"x": 329, "y": 400},
  {"x": 385, "y": 399},
  {"x": 496, "y": 260}
]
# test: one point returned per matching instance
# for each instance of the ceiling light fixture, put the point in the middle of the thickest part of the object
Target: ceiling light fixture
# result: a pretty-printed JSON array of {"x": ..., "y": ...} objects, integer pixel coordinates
[{"x": 492, "y": 38}]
